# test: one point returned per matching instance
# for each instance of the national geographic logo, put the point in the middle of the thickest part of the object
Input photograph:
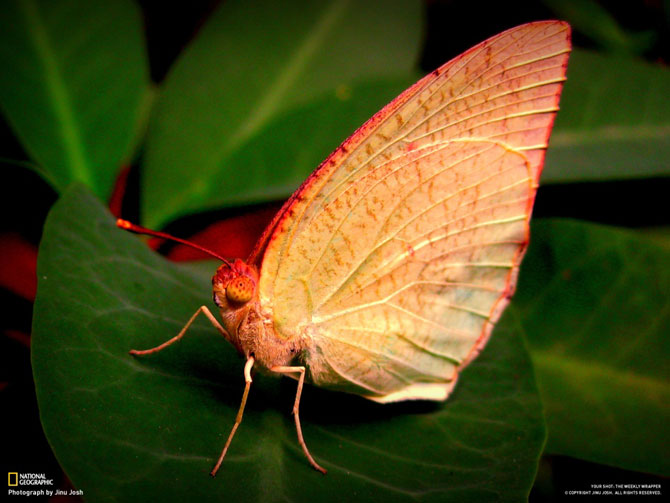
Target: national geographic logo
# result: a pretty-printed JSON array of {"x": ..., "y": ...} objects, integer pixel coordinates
[
  {"x": 15, "y": 479},
  {"x": 36, "y": 484},
  {"x": 29, "y": 484}
]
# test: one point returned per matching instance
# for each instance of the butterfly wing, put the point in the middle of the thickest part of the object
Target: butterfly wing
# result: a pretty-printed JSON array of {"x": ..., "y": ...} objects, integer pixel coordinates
[{"x": 395, "y": 258}]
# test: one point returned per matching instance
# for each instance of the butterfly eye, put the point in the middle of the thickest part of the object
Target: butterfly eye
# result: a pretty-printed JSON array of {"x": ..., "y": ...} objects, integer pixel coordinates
[{"x": 240, "y": 290}]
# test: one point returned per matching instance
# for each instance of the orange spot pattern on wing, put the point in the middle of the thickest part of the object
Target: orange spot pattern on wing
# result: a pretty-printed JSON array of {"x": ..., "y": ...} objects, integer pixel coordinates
[{"x": 396, "y": 257}]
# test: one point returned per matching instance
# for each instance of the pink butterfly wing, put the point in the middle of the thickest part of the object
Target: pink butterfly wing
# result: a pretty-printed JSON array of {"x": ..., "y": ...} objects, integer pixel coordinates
[{"x": 395, "y": 258}]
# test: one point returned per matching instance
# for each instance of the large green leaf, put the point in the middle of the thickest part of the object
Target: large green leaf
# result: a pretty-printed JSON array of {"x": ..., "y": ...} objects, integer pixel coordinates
[
  {"x": 281, "y": 155},
  {"x": 252, "y": 62},
  {"x": 596, "y": 311},
  {"x": 74, "y": 78},
  {"x": 614, "y": 121},
  {"x": 129, "y": 429}
]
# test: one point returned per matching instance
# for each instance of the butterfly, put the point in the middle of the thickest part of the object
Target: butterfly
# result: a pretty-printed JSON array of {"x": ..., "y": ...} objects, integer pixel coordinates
[{"x": 384, "y": 274}]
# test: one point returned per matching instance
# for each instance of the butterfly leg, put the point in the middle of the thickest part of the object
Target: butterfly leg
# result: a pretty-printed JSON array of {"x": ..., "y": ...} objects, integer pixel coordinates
[
  {"x": 240, "y": 412},
  {"x": 301, "y": 440},
  {"x": 202, "y": 309}
]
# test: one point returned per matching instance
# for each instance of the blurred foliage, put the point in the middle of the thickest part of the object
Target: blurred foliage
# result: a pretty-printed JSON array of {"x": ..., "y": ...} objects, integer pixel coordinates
[
  {"x": 256, "y": 99},
  {"x": 597, "y": 23},
  {"x": 75, "y": 77},
  {"x": 614, "y": 122},
  {"x": 279, "y": 84},
  {"x": 593, "y": 304}
]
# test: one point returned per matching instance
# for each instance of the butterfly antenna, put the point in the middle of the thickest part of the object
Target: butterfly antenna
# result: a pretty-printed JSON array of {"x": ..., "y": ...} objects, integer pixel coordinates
[{"x": 129, "y": 226}]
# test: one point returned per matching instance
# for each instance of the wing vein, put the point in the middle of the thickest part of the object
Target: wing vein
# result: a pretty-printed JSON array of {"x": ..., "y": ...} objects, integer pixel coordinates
[
  {"x": 354, "y": 270},
  {"x": 393, "y": 358},
  {"x": 343, "y": 218}
]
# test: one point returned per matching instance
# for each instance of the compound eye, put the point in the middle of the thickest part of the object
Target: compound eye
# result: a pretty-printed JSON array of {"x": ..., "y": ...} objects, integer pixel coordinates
[{"x": 240, "y": 290}]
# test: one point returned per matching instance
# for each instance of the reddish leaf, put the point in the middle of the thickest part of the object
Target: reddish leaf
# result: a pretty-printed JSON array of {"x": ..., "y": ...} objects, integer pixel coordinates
[
  {"x": 116, "y": 199},
  {"x": 20, "y": 337},
  {"x": 18, "y": 259},
  {"x": 233, "y": 237}
]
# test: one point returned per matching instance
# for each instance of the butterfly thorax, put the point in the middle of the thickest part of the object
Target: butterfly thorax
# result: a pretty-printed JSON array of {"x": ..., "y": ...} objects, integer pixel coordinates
[{"x": 235, "y": 291}]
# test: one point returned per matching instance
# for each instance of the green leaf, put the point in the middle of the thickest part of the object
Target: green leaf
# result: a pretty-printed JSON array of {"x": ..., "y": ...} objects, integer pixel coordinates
[
  {"x": 78, "y": 76},
  {"x": 132, "y": 429},
  {"x": 614, "y": 121},
  {"x": 275, "y": 161},
  {"x": 592, "y": 20},
  {"x": 251, "y": 63},
  {"x": 658, "y": 235},
  {"x": 596, "y": 311}
]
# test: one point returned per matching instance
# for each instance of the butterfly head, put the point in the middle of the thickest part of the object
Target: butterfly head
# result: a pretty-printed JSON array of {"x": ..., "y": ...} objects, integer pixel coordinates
[{"x": 234, "y": 285}]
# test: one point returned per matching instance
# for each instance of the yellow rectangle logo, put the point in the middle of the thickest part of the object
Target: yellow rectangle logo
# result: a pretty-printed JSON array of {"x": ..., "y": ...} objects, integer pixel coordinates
[{"x": 12, "y": 479}]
